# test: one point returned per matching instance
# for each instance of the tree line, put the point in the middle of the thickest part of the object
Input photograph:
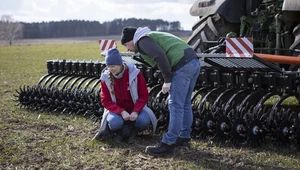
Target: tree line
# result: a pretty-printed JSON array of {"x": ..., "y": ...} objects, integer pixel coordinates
[
  {"x": 78, "y": 28},
  {"x": 11, "y": 29}
]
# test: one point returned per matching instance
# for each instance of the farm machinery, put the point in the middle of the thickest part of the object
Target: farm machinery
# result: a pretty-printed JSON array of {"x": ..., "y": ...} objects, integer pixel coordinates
[{"x": 245, "y": 100}]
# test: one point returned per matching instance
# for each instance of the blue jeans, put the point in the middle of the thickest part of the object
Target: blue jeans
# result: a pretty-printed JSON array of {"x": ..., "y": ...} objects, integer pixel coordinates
[
  {"x": 115, "y": 121},
  {"x": 180, "y": 106}
]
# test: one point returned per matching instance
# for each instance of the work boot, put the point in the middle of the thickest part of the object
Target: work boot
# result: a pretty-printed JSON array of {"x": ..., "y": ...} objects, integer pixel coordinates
[
  {"x": 117, "y": 139},
  {"x": 100, "y": 136},
  {"x": 133, "y": 135},
  {"x": 183, "y": 142},
  {"x": 160, "y": 150},
  {"x": 126, "y": 129}
]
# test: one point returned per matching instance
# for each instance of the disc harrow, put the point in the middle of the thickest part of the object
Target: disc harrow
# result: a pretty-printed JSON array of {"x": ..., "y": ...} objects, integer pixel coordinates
[{"x": 241, "y": 100}]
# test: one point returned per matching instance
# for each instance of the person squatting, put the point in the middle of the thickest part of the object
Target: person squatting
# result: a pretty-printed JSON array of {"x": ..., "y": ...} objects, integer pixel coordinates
[{"x": 124, "y": 96}]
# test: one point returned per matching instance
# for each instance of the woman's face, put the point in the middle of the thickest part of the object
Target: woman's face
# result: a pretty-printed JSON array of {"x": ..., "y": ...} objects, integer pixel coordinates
[
  {"x": 129, "y": 46},
  {"x": 114, "y": 69}
]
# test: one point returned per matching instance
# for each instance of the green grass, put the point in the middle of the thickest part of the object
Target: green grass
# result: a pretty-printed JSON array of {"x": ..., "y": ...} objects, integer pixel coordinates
[{"x": 32, "y": 140}]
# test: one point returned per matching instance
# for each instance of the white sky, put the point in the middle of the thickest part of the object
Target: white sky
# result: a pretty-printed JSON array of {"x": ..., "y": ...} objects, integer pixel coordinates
[{"x": 99, "y": 10}]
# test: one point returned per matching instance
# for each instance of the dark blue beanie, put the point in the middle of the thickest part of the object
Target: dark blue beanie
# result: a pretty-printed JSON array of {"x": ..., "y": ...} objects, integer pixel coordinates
[{"x": 113, "y": 57}]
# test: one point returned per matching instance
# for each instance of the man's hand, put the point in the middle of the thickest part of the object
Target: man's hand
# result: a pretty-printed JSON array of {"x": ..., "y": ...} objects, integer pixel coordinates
[
  {"x": 125, "y": 115},
  {"x": 133, "y": 116},
  {"x": 166, "y": 88}
]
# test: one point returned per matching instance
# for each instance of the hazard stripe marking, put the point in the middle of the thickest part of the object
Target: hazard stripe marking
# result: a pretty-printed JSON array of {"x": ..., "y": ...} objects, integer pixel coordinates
[{"x": 239, "y": 47}]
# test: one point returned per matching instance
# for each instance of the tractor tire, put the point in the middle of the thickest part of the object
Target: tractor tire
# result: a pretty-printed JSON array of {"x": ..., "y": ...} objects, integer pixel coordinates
[{"x": 208, "y": 30}]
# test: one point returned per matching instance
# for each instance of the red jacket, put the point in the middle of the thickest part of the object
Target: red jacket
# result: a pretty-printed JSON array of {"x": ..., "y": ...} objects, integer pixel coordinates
[{"x": 123, "y": 97}]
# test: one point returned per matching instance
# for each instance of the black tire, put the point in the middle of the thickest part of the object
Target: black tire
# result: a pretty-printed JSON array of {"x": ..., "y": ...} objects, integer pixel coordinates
[{"x": 208, "y": 30}]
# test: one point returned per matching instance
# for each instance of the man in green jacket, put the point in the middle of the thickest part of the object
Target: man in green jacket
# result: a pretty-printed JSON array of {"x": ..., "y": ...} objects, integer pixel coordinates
[{"x": 180, "y": 68}]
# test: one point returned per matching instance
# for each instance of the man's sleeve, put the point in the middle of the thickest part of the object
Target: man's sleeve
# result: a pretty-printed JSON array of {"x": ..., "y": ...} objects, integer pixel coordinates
[{"x": 149, "y": 47}]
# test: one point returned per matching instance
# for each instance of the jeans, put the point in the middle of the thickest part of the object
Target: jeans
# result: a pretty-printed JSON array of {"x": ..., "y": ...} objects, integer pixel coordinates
[
  {"x": 180, "y": 106},
  {"x": 115, "y": 121}
]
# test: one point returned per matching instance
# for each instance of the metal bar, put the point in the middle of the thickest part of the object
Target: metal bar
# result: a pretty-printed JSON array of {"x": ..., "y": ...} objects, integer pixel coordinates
[{"x": 279, "y": 58}]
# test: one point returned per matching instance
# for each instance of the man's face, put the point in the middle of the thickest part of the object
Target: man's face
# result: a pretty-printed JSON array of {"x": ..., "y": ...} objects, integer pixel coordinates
[{"x": 129, "y": 46}]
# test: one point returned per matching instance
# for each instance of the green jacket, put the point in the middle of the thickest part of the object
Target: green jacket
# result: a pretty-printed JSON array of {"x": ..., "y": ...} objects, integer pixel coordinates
[{"x": 165, "y": 52}]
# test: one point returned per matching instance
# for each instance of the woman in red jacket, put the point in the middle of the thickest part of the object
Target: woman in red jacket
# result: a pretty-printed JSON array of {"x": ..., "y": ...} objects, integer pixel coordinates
[{"x": 124, "y": 95}]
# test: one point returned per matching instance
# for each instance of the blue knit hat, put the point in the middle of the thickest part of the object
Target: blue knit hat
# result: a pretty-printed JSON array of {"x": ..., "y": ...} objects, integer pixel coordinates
[{"x": 113, "y": 57}]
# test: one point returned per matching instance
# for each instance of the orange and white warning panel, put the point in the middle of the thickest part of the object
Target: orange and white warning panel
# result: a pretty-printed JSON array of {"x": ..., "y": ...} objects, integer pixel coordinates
[
  {"x": 106, "y": 45},
  {"x": 239, "y": 47}
]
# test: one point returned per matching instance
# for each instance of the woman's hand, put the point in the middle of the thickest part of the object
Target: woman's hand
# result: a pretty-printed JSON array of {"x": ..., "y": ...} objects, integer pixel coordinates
[
  {"x": 133, "y": 116},
  {"x": 125, "y": 115}
]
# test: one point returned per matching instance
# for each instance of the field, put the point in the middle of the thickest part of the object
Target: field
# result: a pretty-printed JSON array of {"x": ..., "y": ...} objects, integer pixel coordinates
[{"x": 41, "y": 140}]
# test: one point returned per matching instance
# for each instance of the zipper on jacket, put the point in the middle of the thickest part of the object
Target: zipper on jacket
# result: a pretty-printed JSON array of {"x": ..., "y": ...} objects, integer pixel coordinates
[{"x": 122, "y": 93}]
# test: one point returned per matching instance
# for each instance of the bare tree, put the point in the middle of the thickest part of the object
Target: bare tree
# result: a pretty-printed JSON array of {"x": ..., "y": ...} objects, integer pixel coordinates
[{"x": 10, "y": 29}]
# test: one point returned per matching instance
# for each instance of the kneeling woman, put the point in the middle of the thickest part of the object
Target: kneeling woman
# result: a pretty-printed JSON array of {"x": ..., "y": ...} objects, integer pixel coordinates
[{"x": 124, "y": 96}]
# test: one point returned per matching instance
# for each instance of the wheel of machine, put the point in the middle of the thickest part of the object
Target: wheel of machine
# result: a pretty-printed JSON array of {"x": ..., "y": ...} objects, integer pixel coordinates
[
  {"x": 208, "y": 30},
  {"x": 256, "y": 121},
  {"x": 238, "y": 126},
  {"x": 209, "y": 123},
  {"x": 223, "y": 127},
  {"x": 238, "y": 132},
  {"x": 282, "y": 127}
]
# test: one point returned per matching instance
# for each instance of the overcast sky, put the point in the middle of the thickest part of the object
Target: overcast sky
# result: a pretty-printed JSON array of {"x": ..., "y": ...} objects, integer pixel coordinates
[{"x": 99, "y": 10}]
